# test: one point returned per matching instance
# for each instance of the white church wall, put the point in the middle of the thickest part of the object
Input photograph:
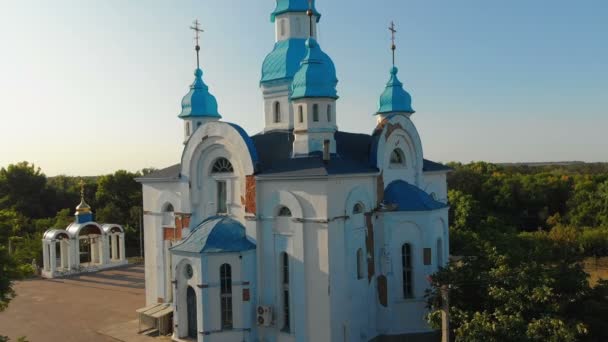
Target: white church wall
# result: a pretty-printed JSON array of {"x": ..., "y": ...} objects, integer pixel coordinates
[
  {"x": 293, "y": 25},
  {"x": 277, "y": 92},
  {"x": 435, "y": 184},
  {"x": 180, "y": 307},
  {"x": 156, "y": 197}
]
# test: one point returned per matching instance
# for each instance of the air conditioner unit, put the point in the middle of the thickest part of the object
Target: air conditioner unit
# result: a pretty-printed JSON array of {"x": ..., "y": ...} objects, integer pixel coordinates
[{"x": 264, "y": 315}]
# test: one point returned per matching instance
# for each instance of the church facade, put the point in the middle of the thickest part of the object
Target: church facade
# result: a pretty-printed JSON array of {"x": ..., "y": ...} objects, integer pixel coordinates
[{"x": 302, "y": 232}]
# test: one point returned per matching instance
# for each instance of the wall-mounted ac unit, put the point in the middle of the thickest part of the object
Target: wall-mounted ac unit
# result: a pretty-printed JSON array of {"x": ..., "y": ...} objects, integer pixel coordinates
[{"x": 264, "y": 315}]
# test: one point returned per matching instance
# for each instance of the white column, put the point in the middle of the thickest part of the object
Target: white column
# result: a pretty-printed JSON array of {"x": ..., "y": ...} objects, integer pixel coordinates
[
  {"x": 45, "y": 255},
  {"x": 121, "y": 245},
  {"x": 101, "y": 245},
  {"x": 69, "y": 251},
  {"x": 53, "y": 257},
  {"x": 63, "y": 251},
  {"x": 114, "y": 239},
  {"x": 93, "y": 250}
]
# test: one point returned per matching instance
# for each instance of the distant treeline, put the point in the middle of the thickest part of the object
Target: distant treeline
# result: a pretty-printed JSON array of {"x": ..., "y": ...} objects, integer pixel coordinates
[{"x": 569, "y": 197}]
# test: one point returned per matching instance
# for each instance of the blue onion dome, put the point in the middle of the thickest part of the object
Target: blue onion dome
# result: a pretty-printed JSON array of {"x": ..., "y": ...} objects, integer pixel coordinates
[
  {"x": 284, "y": 60},
  {"x": 285, "y": 6},
  {"x": 199, "y": 102},
  {"x": 395, "y": 99},
  {"x": 316, "y": 76}
]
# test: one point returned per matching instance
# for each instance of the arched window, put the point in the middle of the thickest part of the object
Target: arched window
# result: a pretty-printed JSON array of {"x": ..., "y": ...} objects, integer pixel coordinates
[
  {"x": 285, "y": 289},
  {"x": 315, "y": 112},
  {"x": 360, "y": 263},
  {"x": 277, "y": 112},
  {"x": 187, "y": 128},
  {"x": 328, "y": 113},
  {"x": 406, "y": 263},
  {"x": 439, "y": 253},
  {"x": 358, "y": 209},
  {"x": 169, "y": 208},
  {"x": 300, "y": 114},
  {"x": 168, "y": 218},
  {"x": 284, "y": 212},
  {"x": 397, "y": 157},
  {"x": 222, "y": 165},
  {"x": 226, "y": 295}
]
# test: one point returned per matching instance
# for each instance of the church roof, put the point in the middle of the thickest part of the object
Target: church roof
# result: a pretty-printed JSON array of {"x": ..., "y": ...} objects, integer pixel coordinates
[
  {"x": 395, "y": 99},
  {"x": 408, "y": 197},
  {"x": 284, "y": 60},
  {"x": 274, "y": 151},
  {"x": 285, "y": 6},
  {"x": 316, "y": 76},
  {"x": 199, "y": 102},
  {"x": 217, "y": 234}
]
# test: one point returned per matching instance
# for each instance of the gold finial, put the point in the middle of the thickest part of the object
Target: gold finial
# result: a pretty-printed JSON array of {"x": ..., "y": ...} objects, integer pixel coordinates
[
  {"x": 393, "y": 46},
  {"x": 197, "y": 30},
  {"x": 83, "y": 207}
]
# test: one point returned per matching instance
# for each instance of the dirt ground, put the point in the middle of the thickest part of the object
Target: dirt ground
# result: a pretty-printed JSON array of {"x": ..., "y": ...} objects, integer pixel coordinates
[{"x": 75, "y": 308}]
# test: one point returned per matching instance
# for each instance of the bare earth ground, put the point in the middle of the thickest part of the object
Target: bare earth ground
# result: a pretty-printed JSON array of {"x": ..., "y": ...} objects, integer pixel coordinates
[
  {"x": 597, "y": 269},
  {"x": 75, "y": 308}
]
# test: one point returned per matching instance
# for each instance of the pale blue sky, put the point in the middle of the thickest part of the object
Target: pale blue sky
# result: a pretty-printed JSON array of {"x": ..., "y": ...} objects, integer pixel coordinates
[{"x": 88, "y": 87}]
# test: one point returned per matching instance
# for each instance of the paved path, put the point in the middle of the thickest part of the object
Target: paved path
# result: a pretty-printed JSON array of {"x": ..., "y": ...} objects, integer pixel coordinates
[{"x": 75, "y": 308}]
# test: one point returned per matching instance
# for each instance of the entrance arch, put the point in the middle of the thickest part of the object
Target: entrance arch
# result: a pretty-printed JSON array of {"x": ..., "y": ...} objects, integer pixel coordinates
[{"x": 191, "y": 309}]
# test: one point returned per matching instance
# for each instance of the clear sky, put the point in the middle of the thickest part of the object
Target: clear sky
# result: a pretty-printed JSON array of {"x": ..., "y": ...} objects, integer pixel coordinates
[{"x": 89, "y": 87}]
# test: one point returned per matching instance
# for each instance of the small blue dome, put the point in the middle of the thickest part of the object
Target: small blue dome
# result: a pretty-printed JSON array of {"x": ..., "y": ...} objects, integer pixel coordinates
[
  {"x": 284, "y": 60},
  {"x": 285, "y": 6},
  {"x": 395, "y": 99},
  {"x": 407, "y": 197},
  {"x": 316, "y": 76},
  {"x": 217, "y": 234},
  {"x": 199, "y": 102}
]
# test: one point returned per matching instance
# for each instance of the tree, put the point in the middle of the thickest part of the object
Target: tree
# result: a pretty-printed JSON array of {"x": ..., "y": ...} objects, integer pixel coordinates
[{"x": 22, "y": 186}]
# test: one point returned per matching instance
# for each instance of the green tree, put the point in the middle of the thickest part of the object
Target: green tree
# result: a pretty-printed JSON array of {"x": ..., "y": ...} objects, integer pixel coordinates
[{"x": 22, "y": 186}]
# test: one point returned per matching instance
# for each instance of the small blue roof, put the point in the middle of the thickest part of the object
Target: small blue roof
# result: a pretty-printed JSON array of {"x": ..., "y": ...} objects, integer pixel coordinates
[
  {"x": 284, "y": 60},
  {"x": 395, "y": 99},
  {"x": 217, "y": 234},
  {"x": 316, "y": 76},
  {"x": 408, "y": 197},
  {"x": 285, "y": 6},
  {"x": 199, "y": 102}
]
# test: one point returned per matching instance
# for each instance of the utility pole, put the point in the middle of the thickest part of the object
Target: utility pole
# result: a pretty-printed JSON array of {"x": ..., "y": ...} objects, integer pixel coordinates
[{"x": 445, "y": 314}]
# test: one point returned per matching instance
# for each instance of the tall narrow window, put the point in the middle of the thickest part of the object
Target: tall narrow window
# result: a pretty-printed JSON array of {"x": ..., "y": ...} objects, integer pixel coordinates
[
  {"x": 360, "y": 263},
  {"x": 328, "y": 113},
  {"x": 187, "y": 128},
  {"x": 315, "y": 112},
  {"x": 277, "y": 112},
  {"x": 282, "y": 24},
  {"x": 439, "y": 253},
  {"x": 285, "y": 289},
  {"x": 406, "y": 261},
  {"x": 300, "y": 114},
  {"x": 221, "y": 197},
  {"x": 226, "y": 296},
  {"x": 397, "y": 158}
]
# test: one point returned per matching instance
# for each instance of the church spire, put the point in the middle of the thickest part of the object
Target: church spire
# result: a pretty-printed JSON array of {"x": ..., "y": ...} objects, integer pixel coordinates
[
  {"x": 197, "y": 30},
  {"x": 394, "y": 99}
]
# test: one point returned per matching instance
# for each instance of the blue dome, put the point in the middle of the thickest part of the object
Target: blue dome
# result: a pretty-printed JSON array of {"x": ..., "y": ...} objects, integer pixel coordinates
[
  {"x": 408, "y": 197},
  {"x": 217, "y": 234},
  {"x": 199, "y": 102},
  {"x": 285, "y": 6},
  {"x": 317, "y": 75},
  {"x": 284, "y": 60},
  {"x": 394, "y": 99}
]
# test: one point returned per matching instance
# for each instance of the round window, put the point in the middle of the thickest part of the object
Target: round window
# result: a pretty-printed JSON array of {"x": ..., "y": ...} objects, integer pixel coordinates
[{"x": 189, "y": 271}]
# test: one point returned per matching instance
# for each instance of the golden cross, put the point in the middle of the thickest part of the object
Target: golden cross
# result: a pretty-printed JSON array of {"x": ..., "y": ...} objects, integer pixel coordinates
[
  {"x": 81, "y": 183},
  {"x": 393, "y": 46}
]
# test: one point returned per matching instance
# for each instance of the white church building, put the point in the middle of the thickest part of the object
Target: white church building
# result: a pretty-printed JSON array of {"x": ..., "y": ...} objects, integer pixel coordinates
[{"x": 301, "y": 232}]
